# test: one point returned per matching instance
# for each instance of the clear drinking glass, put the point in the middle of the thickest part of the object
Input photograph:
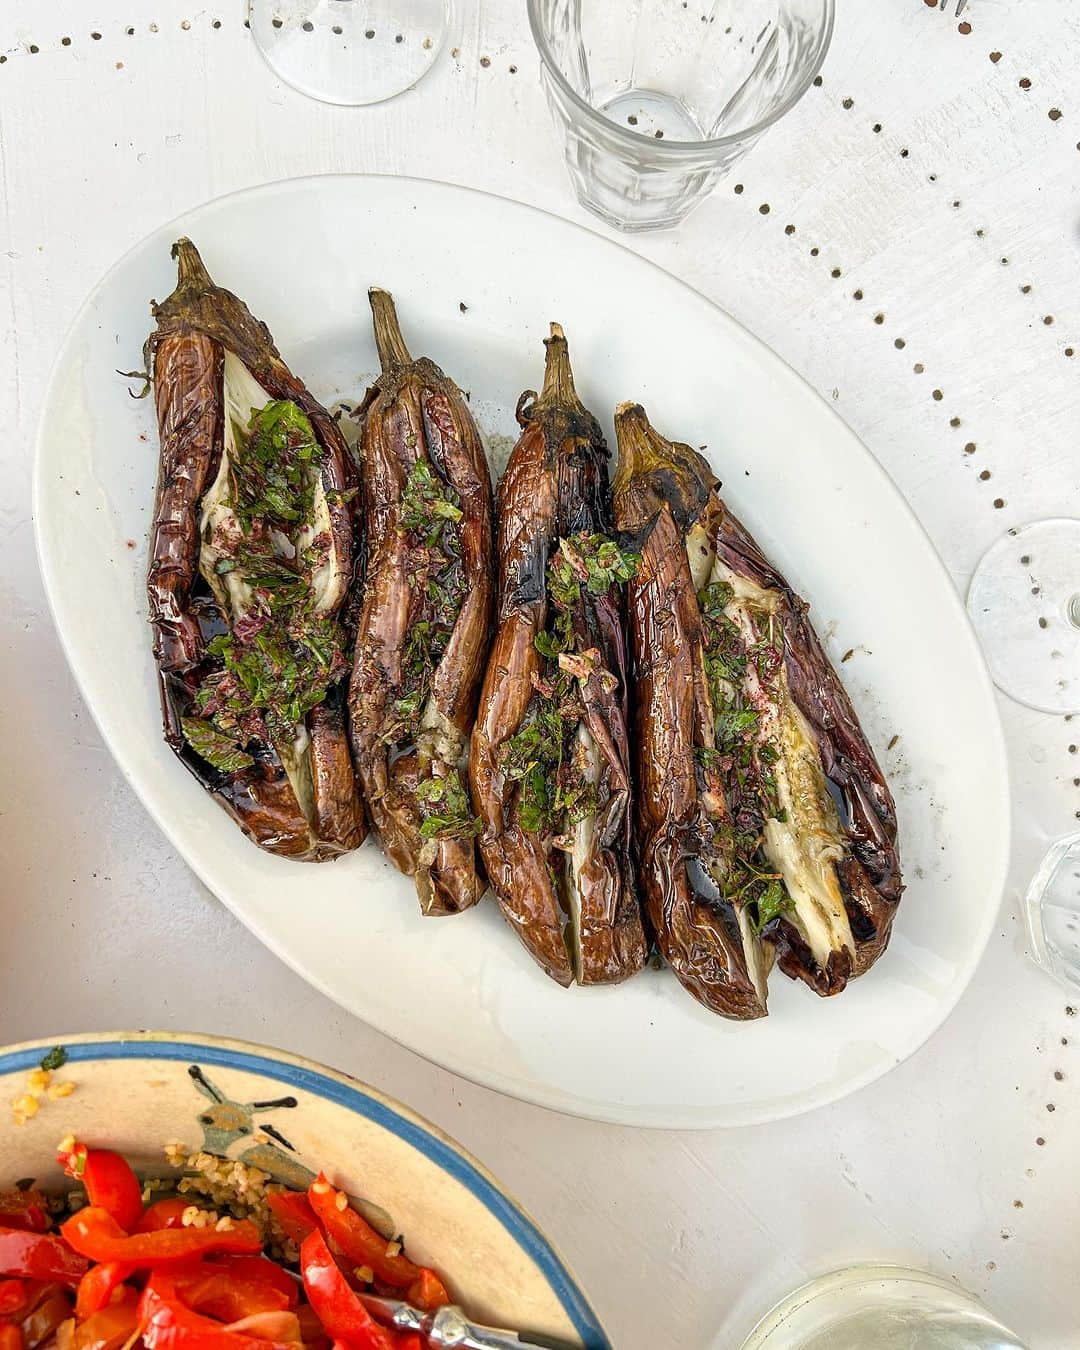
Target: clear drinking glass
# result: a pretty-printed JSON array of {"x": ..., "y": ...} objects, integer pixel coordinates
[
  {"x": 884, "y": 1307},
  {"x": 351, "y": 51},
  {"x": 657, "y": 99},
  {"x": 1053, "y": 912},
  {"x": 1024, "y": 601}
]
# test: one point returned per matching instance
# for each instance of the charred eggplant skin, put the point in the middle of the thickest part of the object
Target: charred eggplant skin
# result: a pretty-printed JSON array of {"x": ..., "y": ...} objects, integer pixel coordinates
[
  {"x": 184, "y": 356},
  {"x": 654, "y": 505},
  {"x": 424, "y": 626},
  {"x": 659, "y": 500},
  {"x": 555, "y": 489}
]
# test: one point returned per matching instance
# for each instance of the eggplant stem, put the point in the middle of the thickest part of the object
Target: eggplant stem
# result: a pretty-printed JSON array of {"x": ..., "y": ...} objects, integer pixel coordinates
[
  {"x": 641, "y": 447},
  {"x": 190, "y": 268},
  {"x": 137, "y": 375},
  {"x": 388, "y": 339},
  {"x": 643, "y": 450},
  {"x": 558, "y": 375}
]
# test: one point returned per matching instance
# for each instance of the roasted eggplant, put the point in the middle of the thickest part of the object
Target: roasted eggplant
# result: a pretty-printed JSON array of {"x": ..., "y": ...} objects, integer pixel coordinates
[
  {"x": 251, "y": 555},
  {"x": 425, "y": 622},
  {"x": 550, "y": 764},
  {"x": 765, "y": 826}
]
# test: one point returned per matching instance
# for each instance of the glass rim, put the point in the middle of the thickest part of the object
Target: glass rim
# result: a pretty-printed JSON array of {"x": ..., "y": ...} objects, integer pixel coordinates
[{"x": 685, "y": 149}]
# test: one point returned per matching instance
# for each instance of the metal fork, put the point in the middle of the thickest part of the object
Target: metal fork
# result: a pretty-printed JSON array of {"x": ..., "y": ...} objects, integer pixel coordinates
[
  {"x": 961, "y": 5},
  {"x": 449, "y": 1329}
]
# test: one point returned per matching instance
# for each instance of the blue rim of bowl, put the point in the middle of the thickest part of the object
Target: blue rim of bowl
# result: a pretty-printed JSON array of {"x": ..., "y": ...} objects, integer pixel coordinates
[
  {"x": 674, "y": 149},
  {"x": 352, "y": 1095}
]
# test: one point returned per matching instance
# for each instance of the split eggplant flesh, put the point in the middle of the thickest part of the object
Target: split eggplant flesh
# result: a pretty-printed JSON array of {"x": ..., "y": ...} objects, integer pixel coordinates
[
  {"x": 550, "y": 765},
  {"x": 766, "y": 829},
  {"x": 425, "y": 621},
  {"x": 250, "y": 562}
]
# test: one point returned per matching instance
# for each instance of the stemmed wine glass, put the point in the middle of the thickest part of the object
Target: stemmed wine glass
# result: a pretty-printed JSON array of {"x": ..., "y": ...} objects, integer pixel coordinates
[
  {"x": 351, "y": 52},
  {"x": 1024, "y": 601}
]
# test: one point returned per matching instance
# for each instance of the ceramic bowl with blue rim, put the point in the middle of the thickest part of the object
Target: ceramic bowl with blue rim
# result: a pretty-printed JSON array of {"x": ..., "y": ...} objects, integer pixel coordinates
[{"x": 135, "y": 1092}]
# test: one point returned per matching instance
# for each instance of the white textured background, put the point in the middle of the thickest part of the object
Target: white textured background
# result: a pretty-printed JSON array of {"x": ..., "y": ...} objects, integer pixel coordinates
[{"x": 959, "y": 223}]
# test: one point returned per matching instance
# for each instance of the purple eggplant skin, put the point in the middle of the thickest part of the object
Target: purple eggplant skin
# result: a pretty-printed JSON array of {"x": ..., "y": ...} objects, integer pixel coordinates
[
  {"x": 663, "y": 496},
  {"x": 577, "y": 913},
  {"x": 678, "y": 809},
  {"x": 184, "y": 357},
  {"x": 424, "y": 626}
]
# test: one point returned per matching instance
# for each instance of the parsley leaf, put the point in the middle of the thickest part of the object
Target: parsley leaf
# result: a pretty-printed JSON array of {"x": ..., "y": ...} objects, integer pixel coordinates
[
  {"x": 274, "y": 468},
  {"x": 218, "y": 749},
  {"x": 453, "y": 818},
  {"x": 772, "y": 902}
]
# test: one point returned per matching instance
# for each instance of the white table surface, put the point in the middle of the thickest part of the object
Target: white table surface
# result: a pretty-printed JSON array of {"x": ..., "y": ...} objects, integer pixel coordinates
[{"x": 957, "y": 220}]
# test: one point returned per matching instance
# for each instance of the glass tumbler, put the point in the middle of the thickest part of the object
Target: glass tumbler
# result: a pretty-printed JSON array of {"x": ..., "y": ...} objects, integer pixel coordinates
[
  {"x": 657, "y": 99},
  {"x": 883, "y": 1307}
]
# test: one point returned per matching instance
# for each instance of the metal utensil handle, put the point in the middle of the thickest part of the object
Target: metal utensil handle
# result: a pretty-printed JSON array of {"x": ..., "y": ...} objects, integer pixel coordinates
[{"x": 450, "y": 1330}]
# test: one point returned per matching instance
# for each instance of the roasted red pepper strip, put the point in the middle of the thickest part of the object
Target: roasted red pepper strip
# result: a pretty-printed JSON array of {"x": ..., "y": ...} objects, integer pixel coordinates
[
  {"x": 110, "y": 1183},
  {"x": 351, "y": 1234},
  {"x": 293, "y": 1212},
  {"x": 24, "y": 1209},
  {"x": 97, "y": 1285},
  {"x": 14, "y": 1294},
  {"x": 311, "y": 1329},
  {"x": 427, "y": 1291},
  {"x": 163, "y": 1214},
  {"x": 168, "y": 1325},
  {"x": 228, "y": 1293},
  {"x": 336, "y": 1305},
  {"x": 39, "y": 1256},
  {"x": 11, "y": 1338},
  {"x": 52, "y": 1308},
  {"x": 258, "y": 1271},
  {"x": 95, "y": 1234},
  {"x": 112, "y": 1327}
]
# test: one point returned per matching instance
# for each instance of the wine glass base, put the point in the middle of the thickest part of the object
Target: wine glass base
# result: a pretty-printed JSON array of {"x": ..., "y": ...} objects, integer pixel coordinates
[
  {"x": 351, "y": 52},
  {"x": 1024, "y": 601}
]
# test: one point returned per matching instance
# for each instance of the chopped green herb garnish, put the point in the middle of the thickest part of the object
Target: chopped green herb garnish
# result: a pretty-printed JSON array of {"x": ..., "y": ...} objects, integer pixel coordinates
[
  {"x": 742, "y": 655},
  {"x": 715, "y": 598},
  {"x": 278, "y": 673},
  {"x": 451, "y": 816},
  {"x": 733, "y": 724},
  {"x": 771, "y": 902},
  {"x": 281, "y": 656},
  {"x": 429, "y": 515},
  {"x": 427, "y": 502},
  {"x": 218, "y": 749},
  {"x": 553, "y": 793},
  {"x": 54, "y": 1059},
  {"x": 273, "y": 470},
  {"x": 590, "y": 559},
  {"x": 558, "y": 638}
]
